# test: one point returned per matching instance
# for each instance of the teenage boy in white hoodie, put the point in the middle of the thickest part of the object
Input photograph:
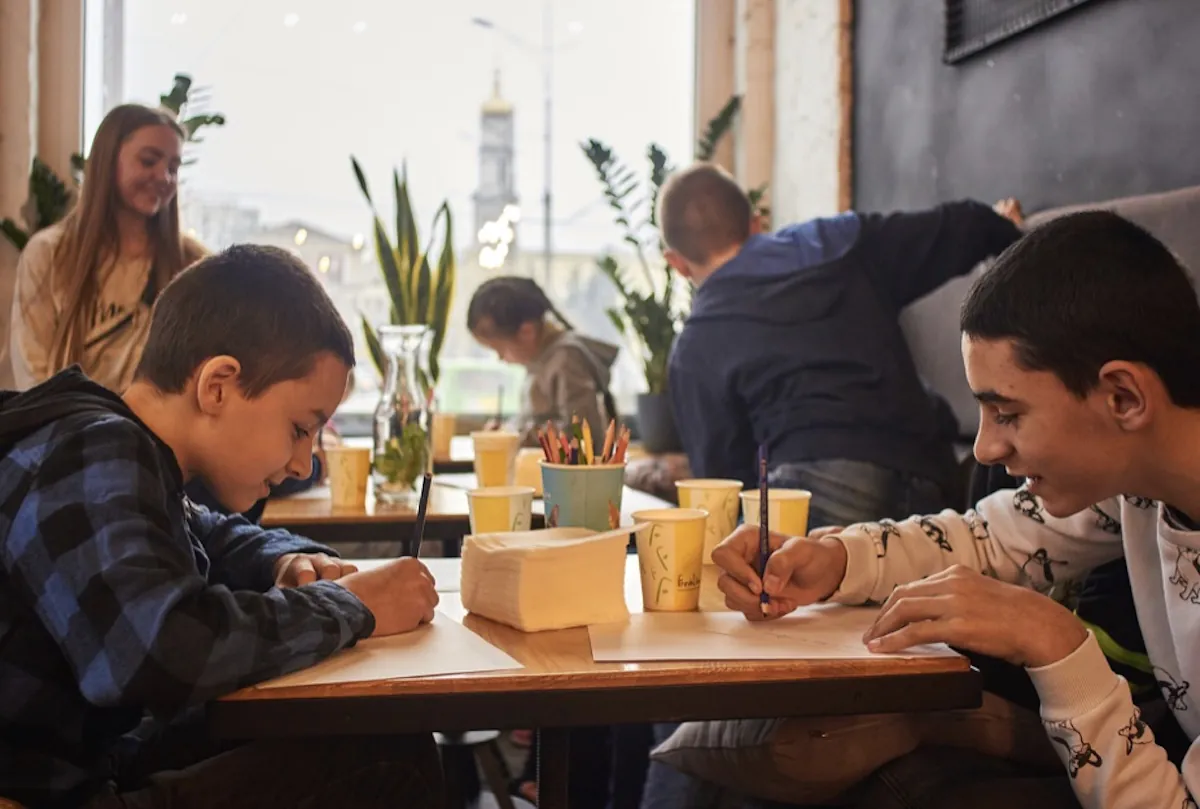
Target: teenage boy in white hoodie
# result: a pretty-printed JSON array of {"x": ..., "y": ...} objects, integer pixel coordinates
[{"x": 1082, "y": 345}]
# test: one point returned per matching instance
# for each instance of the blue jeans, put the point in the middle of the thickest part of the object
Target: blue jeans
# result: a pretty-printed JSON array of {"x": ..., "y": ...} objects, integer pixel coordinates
[{"x": 846, "y": 492}]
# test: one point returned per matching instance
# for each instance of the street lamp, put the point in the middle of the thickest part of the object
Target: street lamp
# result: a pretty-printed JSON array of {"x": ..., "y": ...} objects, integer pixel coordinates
[{"x": 547, "y": 50}]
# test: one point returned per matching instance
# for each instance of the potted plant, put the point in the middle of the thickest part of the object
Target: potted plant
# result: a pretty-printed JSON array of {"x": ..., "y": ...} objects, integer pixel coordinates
[
  {"x": 653, "y": 304},
  {"x": 407, "y": 348}
]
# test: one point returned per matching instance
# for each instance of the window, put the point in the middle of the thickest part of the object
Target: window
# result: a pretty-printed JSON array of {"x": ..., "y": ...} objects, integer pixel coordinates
[{"x": 305, "y": 84}]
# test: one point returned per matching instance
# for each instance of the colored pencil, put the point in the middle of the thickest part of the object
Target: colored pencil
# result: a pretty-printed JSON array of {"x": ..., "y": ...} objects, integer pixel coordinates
[
  {"x": 589, "y": 450},
  {"x": 422, "y": 511},
  {"x": 609, "y": 435},
  {"x": 764, "y": 544}
]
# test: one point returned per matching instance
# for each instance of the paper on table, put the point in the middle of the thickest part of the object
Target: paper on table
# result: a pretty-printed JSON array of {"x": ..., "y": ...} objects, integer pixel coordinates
[
  {"x": 820, "y": 632},
  {"x": 442, "y": 647}
]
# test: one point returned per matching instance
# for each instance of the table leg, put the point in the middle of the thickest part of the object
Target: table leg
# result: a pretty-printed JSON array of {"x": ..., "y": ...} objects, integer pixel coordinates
[{"x": 554, "y": 753}]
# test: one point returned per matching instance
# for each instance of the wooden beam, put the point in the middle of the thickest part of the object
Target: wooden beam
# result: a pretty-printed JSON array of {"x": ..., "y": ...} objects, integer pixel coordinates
[
  {"x": 714, "y": 69},
  {"x": 846, "y": 101},
  {"x": 60, "y": 83},
  {"x": 755, "y": 127}
]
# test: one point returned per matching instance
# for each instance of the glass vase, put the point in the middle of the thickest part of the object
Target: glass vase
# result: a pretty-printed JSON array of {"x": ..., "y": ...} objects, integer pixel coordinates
[{"x": 403, "y": 449}]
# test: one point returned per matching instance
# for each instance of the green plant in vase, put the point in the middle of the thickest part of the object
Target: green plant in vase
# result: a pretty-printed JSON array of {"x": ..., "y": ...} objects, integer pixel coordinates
[
  {"x": 403, "y": 460},
  {"x": 403, "y": 429}
]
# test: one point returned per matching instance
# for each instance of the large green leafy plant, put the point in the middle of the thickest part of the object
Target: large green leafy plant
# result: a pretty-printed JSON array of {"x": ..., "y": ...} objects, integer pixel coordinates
[
  {"x": 651, "y": 306},
  {"x": 50, "y": 197},
  {"x": 421, "y": 289}
]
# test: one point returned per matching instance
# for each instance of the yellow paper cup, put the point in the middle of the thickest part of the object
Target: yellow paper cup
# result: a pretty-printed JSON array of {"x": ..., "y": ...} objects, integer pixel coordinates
[
  {"x": 720, "y": 499},
  {"x": 529, "y": 469},
  {"x": 349, "y": 472},
  {"x": 443, "y": 433},
  {"x": 669, "y": 550},
  {"x": 495, "y": 457},
  {"x": 501, "y": 509},
  {"x": 787, "y": 510}
]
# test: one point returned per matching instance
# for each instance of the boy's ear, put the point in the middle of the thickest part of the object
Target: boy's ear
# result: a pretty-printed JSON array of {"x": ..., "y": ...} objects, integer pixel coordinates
[
  {"x": 217, "y": 381},
  {"x": 1130, "y": 392},
  {"x": 678, "y": 263}
]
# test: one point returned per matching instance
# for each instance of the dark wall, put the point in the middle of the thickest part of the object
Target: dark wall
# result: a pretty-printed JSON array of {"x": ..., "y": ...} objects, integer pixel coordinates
[{"x": 1102, "y": 102}]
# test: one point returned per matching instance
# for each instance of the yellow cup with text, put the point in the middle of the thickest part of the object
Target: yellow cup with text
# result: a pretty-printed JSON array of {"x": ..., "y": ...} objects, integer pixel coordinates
[
  {"x": 720, "y": 499},
  {"x": 495, "y": 457},
  {"x": 443, "y": 434},
  {"x": 349, "y": 471},
  {"x": 670, "y": 548},
  {"x": 500, "y": 509},
  {"x": 787, "y": 510},
  {"x": 529, "y": 469}
]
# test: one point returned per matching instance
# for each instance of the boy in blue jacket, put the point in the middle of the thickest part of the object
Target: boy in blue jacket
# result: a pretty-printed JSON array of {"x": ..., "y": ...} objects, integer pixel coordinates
[
  {"x": 794, "y": 342},
  {"x": 124, "y": 606}
]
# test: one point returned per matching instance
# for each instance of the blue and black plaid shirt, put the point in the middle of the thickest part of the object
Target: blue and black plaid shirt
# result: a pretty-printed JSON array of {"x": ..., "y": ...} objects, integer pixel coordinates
[{"x": 118, "y": 597}]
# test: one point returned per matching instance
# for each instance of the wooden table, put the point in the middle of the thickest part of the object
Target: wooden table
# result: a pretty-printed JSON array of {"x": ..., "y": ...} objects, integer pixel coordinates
[
  {"x": 562, "y": 687},
  {"x": 312, "y": 514}
]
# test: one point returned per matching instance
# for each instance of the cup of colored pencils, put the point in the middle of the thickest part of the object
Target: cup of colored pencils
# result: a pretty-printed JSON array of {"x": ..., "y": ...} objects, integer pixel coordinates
[{"x": 583, "y": 478}]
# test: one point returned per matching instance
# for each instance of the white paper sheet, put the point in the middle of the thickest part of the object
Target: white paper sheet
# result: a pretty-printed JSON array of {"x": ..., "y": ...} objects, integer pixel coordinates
[
  {"x": 819, "y": 632},
  {"x": 442, "y": 647}
]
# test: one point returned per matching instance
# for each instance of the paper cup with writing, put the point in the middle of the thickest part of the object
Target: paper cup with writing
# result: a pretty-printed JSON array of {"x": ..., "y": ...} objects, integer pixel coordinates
[
  {"x": 443, "y": 434},
  {"x": 495, "y": 457},
  {"x": 500, "y": 509},
  {"x": 529, "y": 469},
  {"x": 720, "y": 499},
  {"x": 349, "y": 472},
  {"x": 669, "y": 551},
  {"x": 787, "y": 510}
]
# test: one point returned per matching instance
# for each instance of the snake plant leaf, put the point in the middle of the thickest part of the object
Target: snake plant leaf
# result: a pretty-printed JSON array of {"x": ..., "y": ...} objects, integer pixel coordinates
[
  {"x": 373, "y": 345},
  {"x": 408, "y": 244},
  {"x": 362, "y": 181},
  {"x": 443, "y": 292}
]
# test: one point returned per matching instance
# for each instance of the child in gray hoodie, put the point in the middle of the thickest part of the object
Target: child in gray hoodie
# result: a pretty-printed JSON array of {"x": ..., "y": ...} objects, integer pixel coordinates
[{"x": 567, "y": 374}]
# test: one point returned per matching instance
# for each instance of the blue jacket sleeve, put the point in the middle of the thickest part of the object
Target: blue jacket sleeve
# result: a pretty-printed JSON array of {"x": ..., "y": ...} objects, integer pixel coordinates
[
  {"x": 115, "y": 581},
  {"x": 713, "y": 423},
  {"x": 909, "y": 255},
  {"x": 242, "y": 554}
]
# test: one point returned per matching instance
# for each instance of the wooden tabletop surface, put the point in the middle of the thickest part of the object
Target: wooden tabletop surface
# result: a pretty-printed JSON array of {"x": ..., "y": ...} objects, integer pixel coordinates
[
  {"x": 447, "y": 503},
  {"x": 562, "y": 660}
]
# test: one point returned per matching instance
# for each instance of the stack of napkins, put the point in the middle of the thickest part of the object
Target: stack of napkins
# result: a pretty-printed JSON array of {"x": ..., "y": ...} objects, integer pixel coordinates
[{"x": 551, "y": 579}]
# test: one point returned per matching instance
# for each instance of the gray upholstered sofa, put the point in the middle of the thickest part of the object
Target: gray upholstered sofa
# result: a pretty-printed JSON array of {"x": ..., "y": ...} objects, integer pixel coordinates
[{"x": 931, "y": 324}]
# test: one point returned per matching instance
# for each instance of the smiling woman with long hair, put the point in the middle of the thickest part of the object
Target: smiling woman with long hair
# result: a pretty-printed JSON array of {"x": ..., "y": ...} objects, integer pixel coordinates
[{"x": 85, "y": 286}]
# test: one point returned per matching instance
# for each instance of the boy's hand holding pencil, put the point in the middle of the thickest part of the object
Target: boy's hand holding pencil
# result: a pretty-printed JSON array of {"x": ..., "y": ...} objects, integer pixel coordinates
[{"x": 800, "y": 571}]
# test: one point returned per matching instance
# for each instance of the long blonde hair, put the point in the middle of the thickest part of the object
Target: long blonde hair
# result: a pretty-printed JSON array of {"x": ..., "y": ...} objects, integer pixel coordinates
[{"x": 91, "y": 238}]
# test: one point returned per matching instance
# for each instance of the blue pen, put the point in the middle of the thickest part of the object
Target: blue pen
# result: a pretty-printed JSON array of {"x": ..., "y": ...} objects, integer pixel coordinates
[{"x": 764, "y": 531}]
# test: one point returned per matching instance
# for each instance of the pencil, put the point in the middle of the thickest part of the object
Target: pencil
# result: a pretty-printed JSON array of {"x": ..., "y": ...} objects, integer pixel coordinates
[
  {"x": 589, "y": 451},
  {"x": 764, "y": 545},
  {"x": 609, "y": 435},
  {"x": 622, "y": 447},
  {"x": 422, "y": 510}
]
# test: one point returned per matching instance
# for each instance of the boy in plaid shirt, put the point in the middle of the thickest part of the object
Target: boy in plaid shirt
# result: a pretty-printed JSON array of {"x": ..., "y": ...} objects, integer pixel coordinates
[{"x": 124, "y": 606}]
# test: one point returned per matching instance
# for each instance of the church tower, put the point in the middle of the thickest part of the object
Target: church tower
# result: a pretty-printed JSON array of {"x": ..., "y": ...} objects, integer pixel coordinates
[{"x": 497, "y": 180}]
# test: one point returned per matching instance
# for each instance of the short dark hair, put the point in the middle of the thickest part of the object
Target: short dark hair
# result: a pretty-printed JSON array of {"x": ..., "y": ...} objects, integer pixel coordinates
[
  {"x": 702, "y": 211},
  {"x": 1086, "y": 289},
  {"x": 510, "y": 301},
  {"x": 258, "y": 304}
]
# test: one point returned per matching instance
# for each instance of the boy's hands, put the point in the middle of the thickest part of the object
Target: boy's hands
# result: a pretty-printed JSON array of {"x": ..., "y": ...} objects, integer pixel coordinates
[
  {"x": 971, "y": 611},
  {"x": 801, "y": 570},
  {"x": 400, "y": 594},
  {"x": 295, "y": 569}
]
